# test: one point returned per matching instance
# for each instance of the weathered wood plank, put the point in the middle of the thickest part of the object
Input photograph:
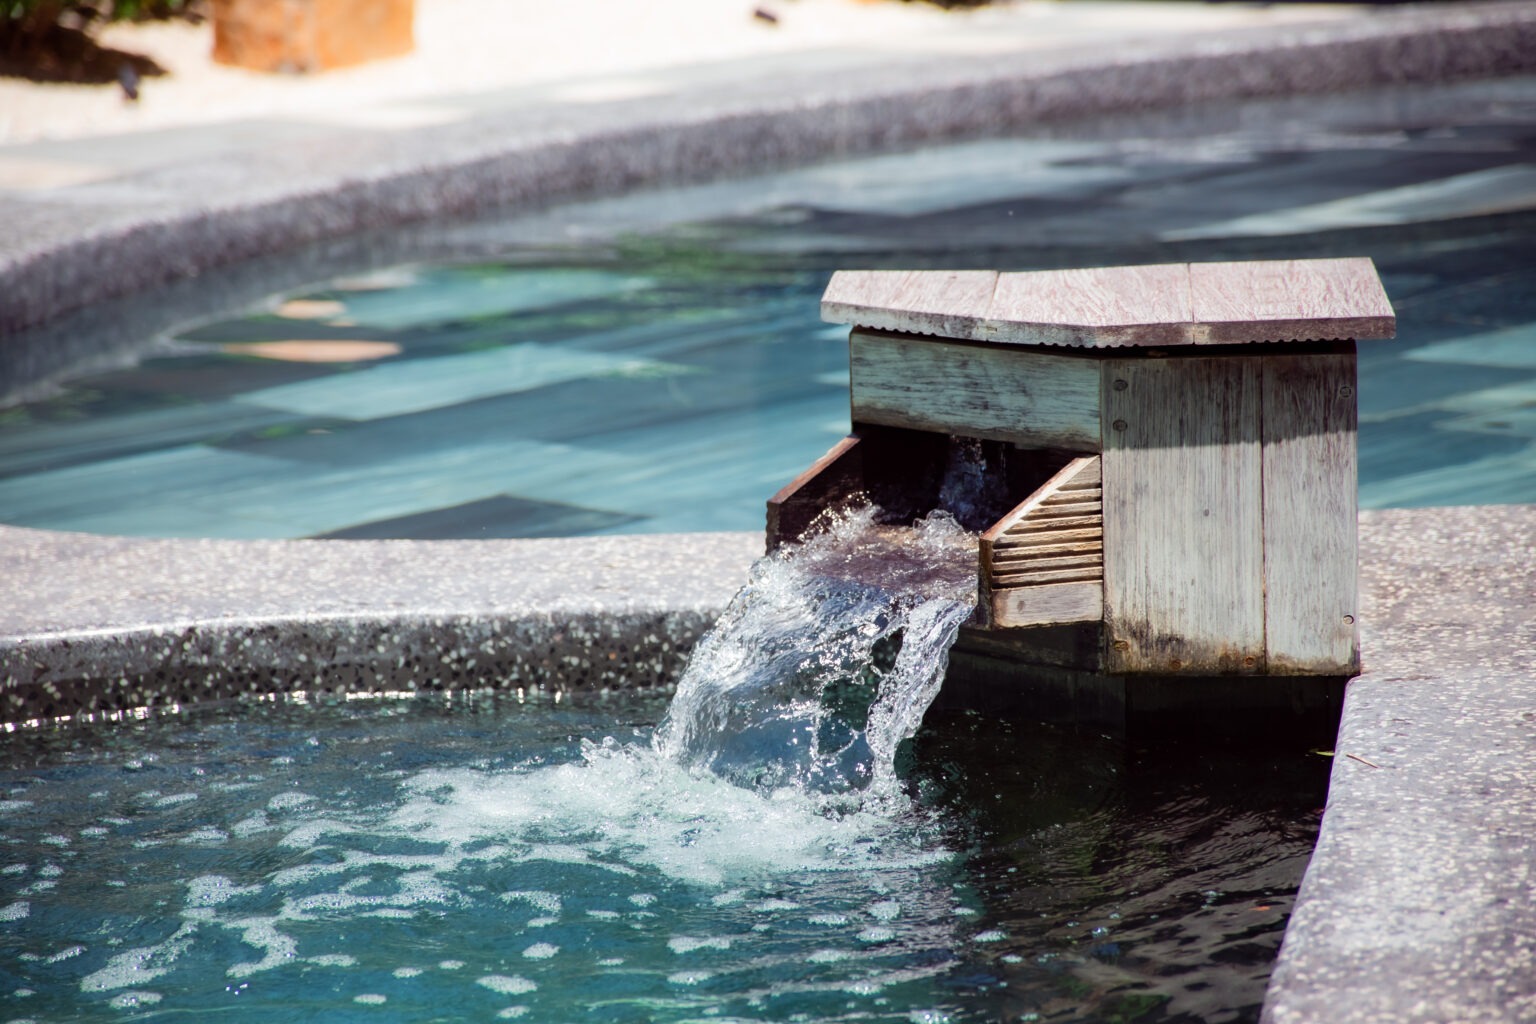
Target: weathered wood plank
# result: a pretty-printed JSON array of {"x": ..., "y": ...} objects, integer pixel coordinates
[
  {"x": 1090, "y": 534},
  {"x": 1006, "y": 556},
  {"x": 1158, "y": 305},
  {"x": 1059, "y": 602},
  {"x": 942, "y": 302},
  {"x": 1281, "y": 300},
  {"x": 829, "y": 481},
  {"x": 1146, "y": 305},
  {"x": 1183, "y": 531},
  {"x": 1035, "y": 399},
  {"x": 1310, "y": 555},
  {"x": 1015, "y": 581}
]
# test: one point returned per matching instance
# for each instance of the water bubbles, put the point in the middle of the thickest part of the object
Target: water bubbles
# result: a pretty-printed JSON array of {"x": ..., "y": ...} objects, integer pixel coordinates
[
  {"x": 885, "y": 910},
  {"x": 687, "y": 944},
  {"x": 507, "y": 985}
]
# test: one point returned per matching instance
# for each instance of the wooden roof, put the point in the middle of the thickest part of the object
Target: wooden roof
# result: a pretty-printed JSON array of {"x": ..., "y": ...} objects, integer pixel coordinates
[{"x": 1160, "y": 305}]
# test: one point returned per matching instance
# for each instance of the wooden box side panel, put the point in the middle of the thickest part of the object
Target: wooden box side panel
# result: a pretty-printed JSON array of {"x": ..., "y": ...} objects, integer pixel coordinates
[
  {"x": 1310, "y": 544},
  {"x": 1033, "y": 399},
  {"x": 830, "y": 481},
  {"x": 1183, "y": 508}
]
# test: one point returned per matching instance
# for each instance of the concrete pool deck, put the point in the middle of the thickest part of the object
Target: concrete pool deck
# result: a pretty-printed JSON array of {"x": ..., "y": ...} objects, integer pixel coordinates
[{"x": 1418, "y": 903}]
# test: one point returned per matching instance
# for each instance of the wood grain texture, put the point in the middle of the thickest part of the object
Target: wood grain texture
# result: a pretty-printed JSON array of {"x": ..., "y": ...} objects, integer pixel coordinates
[
  {"x": 1183, "y": 530},
  {"x": 942, "y": 302},
  {"x": 1043, "y": 562},
  {"x": 1310, "y": 546},
  {"x": 1047, "y": 605},
  {"x": 1147, "y": 305},
  {"x": 1105, "y": 307},
  {"x": 829, "y": 481},
  {"x": 1034, "y": 399},
  {"x": 1280, "y": 300}
]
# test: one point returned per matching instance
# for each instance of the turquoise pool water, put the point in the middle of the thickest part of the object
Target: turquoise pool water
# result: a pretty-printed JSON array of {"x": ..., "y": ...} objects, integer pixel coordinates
[
  {"x": 656, "y": 362},
  {"x": 483, "y": 857}
]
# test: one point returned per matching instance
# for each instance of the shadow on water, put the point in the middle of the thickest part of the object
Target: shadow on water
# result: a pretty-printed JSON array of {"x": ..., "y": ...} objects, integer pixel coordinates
[{"x": 1145, "y": 880}]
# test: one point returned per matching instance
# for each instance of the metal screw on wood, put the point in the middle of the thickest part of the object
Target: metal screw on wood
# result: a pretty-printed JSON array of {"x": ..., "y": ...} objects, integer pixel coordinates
[
  {"x": 1346, "y": 391},
  {"x": 1349, "y": 620},
  {"x": 1122, "y": 645},
  {"x": 1121, "y": 385},
  {"x": 1119, "y": 424}
]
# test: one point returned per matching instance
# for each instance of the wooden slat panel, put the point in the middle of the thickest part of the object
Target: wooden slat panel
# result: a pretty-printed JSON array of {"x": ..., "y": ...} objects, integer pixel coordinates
[
  {"x": 1093, "y": 534},
  {"x": 943, "y": 302},
  {"x": 1035, "y": 606},
  {"x": 1016, "y": 581},
  {"x": 1146, "y": 305},
  {"x": 1309, "y": 514},
  {"x": 1047, "y": 563},
  {"x": 1279, "y": 300},
  {"x": 1004, "y": 556},
  {"x": 1032, "y": 526},
  {"x": 1183, "y": 532},
  {"x": 1040, "y": 400}
]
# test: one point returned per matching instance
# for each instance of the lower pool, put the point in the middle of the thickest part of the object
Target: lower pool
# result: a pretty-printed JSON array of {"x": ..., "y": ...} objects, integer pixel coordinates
[
  {"x": 486, "y": 856},
  {"x": 655, "y": 363}
]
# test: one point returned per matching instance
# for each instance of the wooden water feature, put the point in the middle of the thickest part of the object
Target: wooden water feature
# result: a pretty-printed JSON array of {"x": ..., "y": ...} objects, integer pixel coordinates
[{"x": 1174, "y": 448}]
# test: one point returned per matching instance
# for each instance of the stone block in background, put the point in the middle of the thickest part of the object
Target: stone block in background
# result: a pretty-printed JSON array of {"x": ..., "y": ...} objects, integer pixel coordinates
[{"x": 298, "y": 36}]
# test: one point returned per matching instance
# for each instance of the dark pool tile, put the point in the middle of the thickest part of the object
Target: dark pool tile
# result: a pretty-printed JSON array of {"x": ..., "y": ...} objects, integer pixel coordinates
[{"x": 500, "y": 517}]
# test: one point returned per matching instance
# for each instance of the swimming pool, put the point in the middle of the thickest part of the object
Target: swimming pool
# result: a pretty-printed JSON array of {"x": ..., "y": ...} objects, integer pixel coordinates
[{"x": 655, "y": 363}]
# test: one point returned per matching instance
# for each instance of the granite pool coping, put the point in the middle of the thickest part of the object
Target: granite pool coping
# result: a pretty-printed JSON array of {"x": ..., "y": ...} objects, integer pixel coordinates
[{"x": 1420, "y": 900}]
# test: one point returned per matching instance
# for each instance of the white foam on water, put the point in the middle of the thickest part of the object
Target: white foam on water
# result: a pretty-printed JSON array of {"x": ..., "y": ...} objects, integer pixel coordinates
[
  {"x": 687, "y": 944},
  {"x": 406, "y": 972},
  {"x": 133, "y": 1000},
  {"x": 828, "y": 956},
  {"x": 11, "y": 806},
  {"x": 66, "y": 954},
  {"x": 288, "y": 801},
  {"x": 511, "y": 1012},
  {"x": 549, "y": 902},
  {"x": 206, "y": 834},
  {"x": 885, "y": 910},
  {"x": 624, "y": 807},
  {"x": 141, "y": 964},
  {"x": 371, "y": 999},
  {"x": 251, "y": 825},
  {"x": 540, "y": 951},
  {"x": 507, "y": 985},
  {"x": 50, "y": 870},
  {"x": 175, "y": 798},
  {"x": 15, "y": 911},
  {"x": 690, "y": 977}
]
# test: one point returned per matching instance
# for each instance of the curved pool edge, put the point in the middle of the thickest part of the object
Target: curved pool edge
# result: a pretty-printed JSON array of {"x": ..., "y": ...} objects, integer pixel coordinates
[{"x": 73, "y": 247}]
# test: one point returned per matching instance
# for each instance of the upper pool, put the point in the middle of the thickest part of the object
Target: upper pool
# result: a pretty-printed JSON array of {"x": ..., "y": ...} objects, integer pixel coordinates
[{"x": 656, "y": 362}]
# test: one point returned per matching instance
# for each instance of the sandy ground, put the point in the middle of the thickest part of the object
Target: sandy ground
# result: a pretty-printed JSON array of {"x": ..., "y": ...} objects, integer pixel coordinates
[{"x": 474, "y": 46}]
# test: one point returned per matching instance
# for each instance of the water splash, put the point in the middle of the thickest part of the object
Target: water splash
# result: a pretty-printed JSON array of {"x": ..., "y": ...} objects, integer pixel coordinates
[{"x": 826, "y": 660}]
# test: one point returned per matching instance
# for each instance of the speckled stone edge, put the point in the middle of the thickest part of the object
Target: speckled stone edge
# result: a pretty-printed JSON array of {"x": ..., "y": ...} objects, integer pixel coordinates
[
  {"x": 104, "y": 624},
  {"x": 115, "y": 238},
  {"x": 1419, "y": 904}
]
